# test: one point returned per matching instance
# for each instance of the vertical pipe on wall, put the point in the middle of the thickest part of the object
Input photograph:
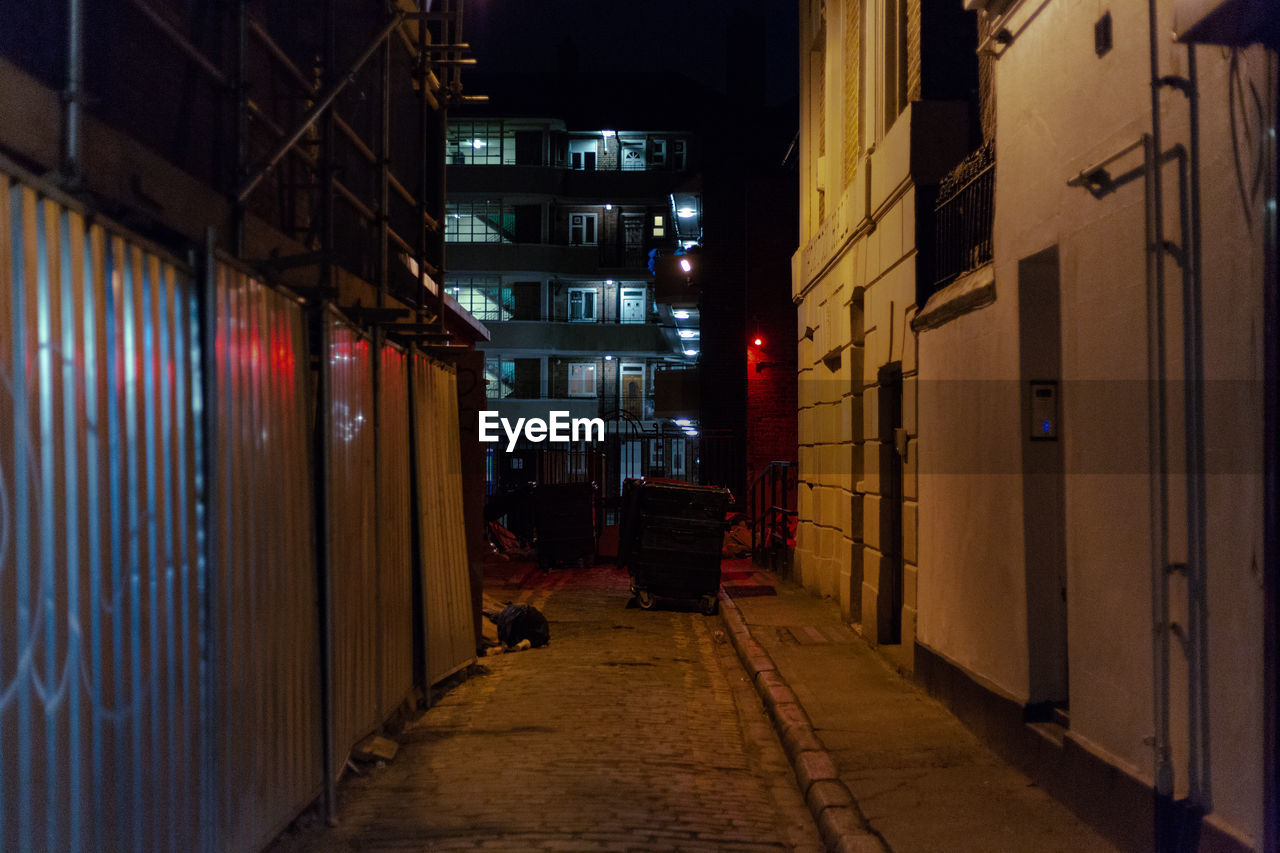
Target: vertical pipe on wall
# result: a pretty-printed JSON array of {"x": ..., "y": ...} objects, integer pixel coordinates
[
  {"x": 73, "y": 95},
  {"x": 1158, "y": 438},
  {"x": 1271, "y": 487},
  {"x": 1193, "y": 383}
]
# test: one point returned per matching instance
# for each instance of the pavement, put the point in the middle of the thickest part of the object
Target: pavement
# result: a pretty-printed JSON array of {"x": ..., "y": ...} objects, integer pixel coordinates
[
  {"x": 632, "y": 730},
  {"x": 771, "y": 727},
  {"x": 882, "y": 764}
]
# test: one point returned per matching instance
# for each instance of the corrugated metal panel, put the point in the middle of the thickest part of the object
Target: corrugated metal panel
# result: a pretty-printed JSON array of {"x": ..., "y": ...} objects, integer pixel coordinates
[
  {"x": 395, "y": 545},
  {"x": 352, "y": 544},
  {"x": 100, "y": 507},
  {"x": 450, "y": 633},
  {"x": 266, "y": 667}
]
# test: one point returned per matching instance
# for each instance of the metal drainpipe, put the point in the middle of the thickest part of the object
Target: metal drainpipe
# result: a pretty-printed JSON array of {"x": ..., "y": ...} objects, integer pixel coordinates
[
  {"x": 1197, "y": 519},
  {"x": 1158, "y": 440},
  {"x": 1271, "y": 500},
  {"x": 73, "y": 94}
]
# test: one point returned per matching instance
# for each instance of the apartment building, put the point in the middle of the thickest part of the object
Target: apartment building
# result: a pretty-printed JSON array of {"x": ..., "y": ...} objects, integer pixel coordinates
[{"x": 554, "y": 234}]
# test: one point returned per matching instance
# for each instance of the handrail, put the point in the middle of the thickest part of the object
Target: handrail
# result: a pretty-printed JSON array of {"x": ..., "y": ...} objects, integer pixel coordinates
[{"x": 771, "y": 502}]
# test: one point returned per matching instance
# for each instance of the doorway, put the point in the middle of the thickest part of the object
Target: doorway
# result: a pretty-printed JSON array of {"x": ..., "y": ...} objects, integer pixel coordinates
[
  {"x": 889, "y": 599},
  {"x": 631, "y": 387},
  {"x": 632, "y": 305},
  {"x": 1043, "y": 485}
]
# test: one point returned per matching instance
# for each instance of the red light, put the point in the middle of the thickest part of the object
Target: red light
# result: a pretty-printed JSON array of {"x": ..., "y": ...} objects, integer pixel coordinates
[{"x": 759, "y": 341}]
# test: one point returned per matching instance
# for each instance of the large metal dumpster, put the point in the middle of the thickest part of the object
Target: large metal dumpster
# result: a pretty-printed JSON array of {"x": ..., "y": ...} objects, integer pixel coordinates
[
  {"x": 564, "y": 520},
  {"x": 670, "y": 540}
]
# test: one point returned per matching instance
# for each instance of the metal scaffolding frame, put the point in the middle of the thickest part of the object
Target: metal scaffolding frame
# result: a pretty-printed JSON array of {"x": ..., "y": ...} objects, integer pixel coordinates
[{"x": 426, "y": 32}]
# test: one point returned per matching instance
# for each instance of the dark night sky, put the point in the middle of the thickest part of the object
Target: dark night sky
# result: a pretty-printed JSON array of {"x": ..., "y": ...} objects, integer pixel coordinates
[{"x": 684, "y": 36}]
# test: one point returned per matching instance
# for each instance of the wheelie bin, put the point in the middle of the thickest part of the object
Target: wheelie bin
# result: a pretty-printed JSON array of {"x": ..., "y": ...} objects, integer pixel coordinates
[{"x": 670, "y": 540}]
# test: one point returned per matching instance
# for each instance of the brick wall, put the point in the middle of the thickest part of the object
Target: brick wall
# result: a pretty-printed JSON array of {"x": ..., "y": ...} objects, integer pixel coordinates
[
  {"x": 852, "y": 90},
  {"x": 913, "y": 51}
]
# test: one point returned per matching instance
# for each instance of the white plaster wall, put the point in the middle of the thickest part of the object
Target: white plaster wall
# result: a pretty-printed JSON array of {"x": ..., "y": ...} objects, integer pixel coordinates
[
  {"x": 1060, "y": 109},
  {"x": 972, "y": 589}
]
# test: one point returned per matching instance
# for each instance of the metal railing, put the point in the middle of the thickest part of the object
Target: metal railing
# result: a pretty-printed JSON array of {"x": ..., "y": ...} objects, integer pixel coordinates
[
  {"x": 964, "y": 214},
  {"x": 772, "y": 505}
]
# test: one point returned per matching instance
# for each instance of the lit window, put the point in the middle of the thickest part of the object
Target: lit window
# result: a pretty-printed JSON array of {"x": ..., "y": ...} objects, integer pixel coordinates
[
  {"x": 479, "y": 222},
  {"x": 471, "y": 143},
  {"x": 582, "y": 379},
  {"x": 582, "y": 229},
  {"x": 582, "y": 154},
  {"x": 582, "y": 304},
  {"x": 499, "y": 377},
  {"x": 659, "y": 226},
  {"x": 483, "y": 296}
]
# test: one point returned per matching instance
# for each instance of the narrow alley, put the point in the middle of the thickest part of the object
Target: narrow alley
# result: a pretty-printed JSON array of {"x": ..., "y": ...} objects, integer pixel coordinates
[
  {"x": 641, "y": 730},
  {"x": 631, "y": 730},
  {"x": 876, "y": 400}
]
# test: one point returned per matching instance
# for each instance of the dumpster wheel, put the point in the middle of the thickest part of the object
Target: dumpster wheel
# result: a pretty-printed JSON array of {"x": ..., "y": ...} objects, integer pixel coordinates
[
  {"x": 708, "y": 604},
  {"x": 645, "y": 598}
]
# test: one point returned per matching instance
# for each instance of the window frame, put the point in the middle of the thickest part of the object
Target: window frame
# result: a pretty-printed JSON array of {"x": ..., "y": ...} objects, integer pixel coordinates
[
  {"x": 595, "y": 304},
  {"x": 586, "y": 217},
  {"x": 583, "y": 368}
]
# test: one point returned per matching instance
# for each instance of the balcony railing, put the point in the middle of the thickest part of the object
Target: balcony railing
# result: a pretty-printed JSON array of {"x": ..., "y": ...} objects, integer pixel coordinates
[
  {"x": 639, "y": 406},
  {"x": 964, "y": 212}
]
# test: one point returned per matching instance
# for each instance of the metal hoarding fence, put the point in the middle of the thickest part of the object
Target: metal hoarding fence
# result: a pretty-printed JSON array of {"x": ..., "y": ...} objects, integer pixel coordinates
[
  {"x": 450, "y": 634},
  {"x": 265, "y": 665},
  {"x": 178, "y": 575},
  {"x": 395, "y": 532},
  {"x": 351, "y": 562},
  {"x": 100, "y": 511}
]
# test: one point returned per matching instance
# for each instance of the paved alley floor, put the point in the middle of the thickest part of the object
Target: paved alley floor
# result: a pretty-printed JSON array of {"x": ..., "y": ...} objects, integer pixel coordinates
[
  {"x": 923, "y": 782},
  {"x": 632, "y": 730}
]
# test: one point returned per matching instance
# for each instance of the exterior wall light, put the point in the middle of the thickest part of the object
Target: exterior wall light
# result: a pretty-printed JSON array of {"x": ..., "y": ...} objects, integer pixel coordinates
[{"x": 685, "y": 265}]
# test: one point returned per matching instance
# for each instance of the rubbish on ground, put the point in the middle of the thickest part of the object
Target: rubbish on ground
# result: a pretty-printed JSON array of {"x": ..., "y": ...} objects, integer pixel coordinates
[
  {"x": 375, "y": 748},
  {"x": 520, "y": 626},
  {"x": 737, "y": 539},
  {"x": 507, "y": 543}
]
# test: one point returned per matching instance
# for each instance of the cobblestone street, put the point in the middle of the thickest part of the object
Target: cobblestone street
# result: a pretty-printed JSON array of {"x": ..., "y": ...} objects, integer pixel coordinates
[{"x": 632, "y": 730}]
